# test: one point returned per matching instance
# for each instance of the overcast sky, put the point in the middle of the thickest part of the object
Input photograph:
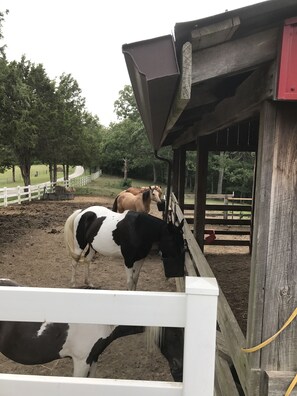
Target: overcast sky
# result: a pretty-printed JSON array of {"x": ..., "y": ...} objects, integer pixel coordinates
[{"x": 85, "y": 38}]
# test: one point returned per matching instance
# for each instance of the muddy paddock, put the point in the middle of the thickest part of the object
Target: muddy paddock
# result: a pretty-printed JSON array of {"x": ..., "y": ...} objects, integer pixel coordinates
[{"x": 33, "y": 254}]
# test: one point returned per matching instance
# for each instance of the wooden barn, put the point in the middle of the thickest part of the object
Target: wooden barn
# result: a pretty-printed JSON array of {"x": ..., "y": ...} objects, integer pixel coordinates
[{"x": 229, "y": 83}]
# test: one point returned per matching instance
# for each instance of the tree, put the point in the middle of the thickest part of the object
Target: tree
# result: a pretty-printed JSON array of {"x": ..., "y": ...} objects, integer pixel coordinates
[
  {"x": 91, "y": 141},
  {"x": 135, "y": 153},
  {"x": 125, "y": 106},
  {"x": 2, "y": 19},
  {"x": 237, "y": 169},
  {"x": 25, "y": 113},
  {"x": 61, "y": 141}
]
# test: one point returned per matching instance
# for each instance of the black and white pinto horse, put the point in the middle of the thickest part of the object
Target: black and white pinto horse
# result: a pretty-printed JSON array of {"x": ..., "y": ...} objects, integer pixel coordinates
[
  {"x": 39, "y": 343},
  {"x": 130, "y": 235}
]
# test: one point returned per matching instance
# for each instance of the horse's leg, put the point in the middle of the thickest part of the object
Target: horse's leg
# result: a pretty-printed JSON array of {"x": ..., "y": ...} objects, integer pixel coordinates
[
  {"x": 73, "y": 273},
  {"x": 80, "y": 368},
  {"x": 92, "y": 371},
  {"x": 133, "y": 274},
  {"x": 87, "y": 261}
]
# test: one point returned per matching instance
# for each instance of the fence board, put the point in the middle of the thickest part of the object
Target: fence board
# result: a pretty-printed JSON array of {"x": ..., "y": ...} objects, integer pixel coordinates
[
  {"x": 122, "y": 307},
  {"x": 230, "y": 329},
  {"x": 13, "y": 384},
  {"x": 27, "y": 193}
]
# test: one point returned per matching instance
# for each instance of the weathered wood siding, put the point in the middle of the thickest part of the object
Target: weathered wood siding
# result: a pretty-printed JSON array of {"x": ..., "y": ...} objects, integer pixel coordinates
[{"x": 273, "y": 289}]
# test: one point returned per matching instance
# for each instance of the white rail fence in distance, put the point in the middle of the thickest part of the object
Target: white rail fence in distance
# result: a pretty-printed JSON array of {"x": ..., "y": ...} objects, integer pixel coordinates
[
  {"x": 17, "y": 195},
  {"x": 195, "y": 310}
]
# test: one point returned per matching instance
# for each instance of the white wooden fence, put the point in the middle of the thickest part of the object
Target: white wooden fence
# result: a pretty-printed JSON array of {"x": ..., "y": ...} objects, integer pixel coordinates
[
  {"x": 195, "y": 310},
  {"x": 17, "y": 195}
]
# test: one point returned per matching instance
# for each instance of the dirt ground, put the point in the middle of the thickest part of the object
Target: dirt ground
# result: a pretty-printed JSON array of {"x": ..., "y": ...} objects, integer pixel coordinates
[{"x": 33, "y": 254}]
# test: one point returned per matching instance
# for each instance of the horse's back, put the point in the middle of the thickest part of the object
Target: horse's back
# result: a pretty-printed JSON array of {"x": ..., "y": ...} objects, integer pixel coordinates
[{"x": 126, "y": 201}]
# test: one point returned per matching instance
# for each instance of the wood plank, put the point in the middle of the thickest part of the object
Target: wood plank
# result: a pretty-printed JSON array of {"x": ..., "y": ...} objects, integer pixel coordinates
[
  {"x": 229, "y": 208},
  {"x": 224, "y": 377},
  {"x": 273, "y": 290},
  {"x": 221, "y": 347},
  {"x": 190, "y": 270},
  {"x": 180, "y": 284},
  {"x": 277, "y": 382},
  {"x": 213, "y": 63},
  {"x": 230, "y": 242},
  {"x": 261, "y": 222},
  {"x": 230, "y": 329},
  {"x": 230, "y": 222},
  {"x": 184, "y": 90},
  {"x": 214, "y": 34},
  {"x": 200, "y": 192},
  {"x": 244, "y": 104},
  {"x": 228, "y": 232},
  {"x": 281, "y": 254}
]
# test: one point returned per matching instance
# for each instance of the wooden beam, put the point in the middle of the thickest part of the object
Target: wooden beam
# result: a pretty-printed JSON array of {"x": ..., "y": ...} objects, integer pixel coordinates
[
  {"x": 200, "y": 192},
  {"x": 217, "y": 33},
  {"x": 178, "y": 179},
  {"x": 234, "y": 56},
  {"x": 233, "y": 336},
  {"x": 184, "y": 90},
  {"x": 224, "y": 378},
  {"x": 244, "y": 104},
  {"x": 273, "y": 290},
  {"x": 277, "y": 382}
]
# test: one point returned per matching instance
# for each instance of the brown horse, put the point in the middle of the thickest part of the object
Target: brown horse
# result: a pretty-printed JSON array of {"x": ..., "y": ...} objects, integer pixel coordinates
[
  {"x": 140, "y": 202},
  {"x": 137, "y": 190}
]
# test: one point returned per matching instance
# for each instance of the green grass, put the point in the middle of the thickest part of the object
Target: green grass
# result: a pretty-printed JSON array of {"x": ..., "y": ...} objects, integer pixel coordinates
[
  {"x": 43, "y": 176},
  {"x": 109, "y": 186}
]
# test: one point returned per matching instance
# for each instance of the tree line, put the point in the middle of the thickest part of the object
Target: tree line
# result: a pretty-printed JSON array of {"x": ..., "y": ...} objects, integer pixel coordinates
[{"x": 46, "y": 121}]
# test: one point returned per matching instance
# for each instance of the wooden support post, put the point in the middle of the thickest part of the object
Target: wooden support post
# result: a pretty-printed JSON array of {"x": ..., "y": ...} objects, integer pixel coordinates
[
  {"x": 273, "y": 287},
  {"x": 179, "y": 168},
  {"x": 200, "y": 192}
]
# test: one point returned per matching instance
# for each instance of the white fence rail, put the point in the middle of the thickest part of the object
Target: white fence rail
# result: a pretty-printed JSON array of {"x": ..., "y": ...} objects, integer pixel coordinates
[
  {"x": 17, "y": 195},
  {"x": 195, "y": 310}
]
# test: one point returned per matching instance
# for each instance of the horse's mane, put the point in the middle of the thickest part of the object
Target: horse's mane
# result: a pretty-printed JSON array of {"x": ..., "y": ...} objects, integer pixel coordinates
[
  {"x": 146, "y": 199},
  {"x": 115, "y": 204}
]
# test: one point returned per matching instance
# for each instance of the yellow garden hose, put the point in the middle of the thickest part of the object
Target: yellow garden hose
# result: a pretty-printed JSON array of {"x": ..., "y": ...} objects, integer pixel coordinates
[{"x": 269, "y": 340}]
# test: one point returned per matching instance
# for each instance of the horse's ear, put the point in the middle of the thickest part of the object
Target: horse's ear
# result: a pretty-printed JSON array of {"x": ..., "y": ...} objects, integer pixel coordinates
[{"x": 181, "y": 224}]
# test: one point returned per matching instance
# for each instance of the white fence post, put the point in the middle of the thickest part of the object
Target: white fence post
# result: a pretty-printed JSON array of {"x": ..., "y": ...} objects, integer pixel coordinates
[
  {"x": 5, "y": 196},
  {"x": 200, "y": 336}
]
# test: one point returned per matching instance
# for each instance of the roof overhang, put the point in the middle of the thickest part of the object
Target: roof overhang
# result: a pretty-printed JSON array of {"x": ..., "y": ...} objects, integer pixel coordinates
[
  {"x": 216, "y": 73},
  {"x": 154, "y": 73}
]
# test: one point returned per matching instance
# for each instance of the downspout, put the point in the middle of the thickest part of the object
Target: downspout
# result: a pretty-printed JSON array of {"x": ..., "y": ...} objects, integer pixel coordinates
[{"x": 168, "y": 182}]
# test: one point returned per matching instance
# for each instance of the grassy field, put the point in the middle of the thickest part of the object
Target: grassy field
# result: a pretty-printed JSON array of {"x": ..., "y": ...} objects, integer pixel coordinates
[
  {"x": 39, "y": 174},
  {"x": 110, "y": 186}
]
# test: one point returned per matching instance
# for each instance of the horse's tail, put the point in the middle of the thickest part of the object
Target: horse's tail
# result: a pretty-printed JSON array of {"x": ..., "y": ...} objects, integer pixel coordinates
[
  {"x": 8, "y": 282},
  {"x": 153, "y": 337},
  {"x": 115, "y": 204},
  {"x": 69, "y": 235}
]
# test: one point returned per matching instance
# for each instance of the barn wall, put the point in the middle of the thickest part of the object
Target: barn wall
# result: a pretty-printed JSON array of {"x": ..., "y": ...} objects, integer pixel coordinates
[{"x": 273, "y": 290}]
